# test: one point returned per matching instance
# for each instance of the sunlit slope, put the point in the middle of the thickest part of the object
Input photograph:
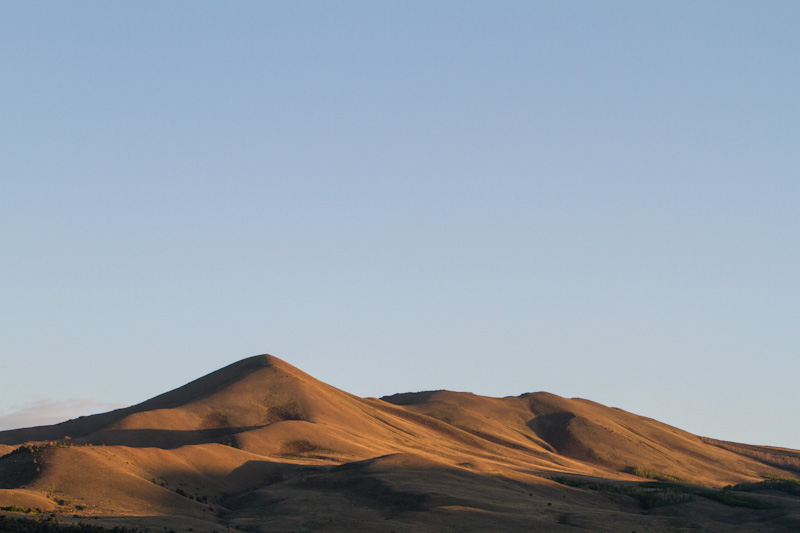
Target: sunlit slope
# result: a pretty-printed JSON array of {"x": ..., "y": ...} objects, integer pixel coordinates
[
  {"x": 261, "y": 434},
  {"x": 267, "y": 407},
  {"x": 255, "y": 404},
  {"x": 587, "y": 433}
]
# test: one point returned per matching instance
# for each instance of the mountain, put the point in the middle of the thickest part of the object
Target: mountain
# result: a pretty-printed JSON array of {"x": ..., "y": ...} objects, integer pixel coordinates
[{"x": 260, "y": 445}]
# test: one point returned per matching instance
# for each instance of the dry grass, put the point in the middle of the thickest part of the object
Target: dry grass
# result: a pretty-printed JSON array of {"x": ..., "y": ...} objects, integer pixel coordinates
[{"x": 261, "y": 445}]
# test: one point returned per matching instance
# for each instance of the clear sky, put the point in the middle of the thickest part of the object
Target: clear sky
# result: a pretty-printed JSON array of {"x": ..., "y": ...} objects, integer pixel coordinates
[{"x": 595, "y": 199}]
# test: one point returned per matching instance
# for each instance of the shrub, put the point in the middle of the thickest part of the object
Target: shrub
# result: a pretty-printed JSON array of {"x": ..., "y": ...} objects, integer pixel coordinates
[
  {"x": 660, "y": 498},
  {"x": 288, "y": 411},
  {"x": 726, "y": 497},
  {"x": 18, "y": 509},
  {"x": 783, "y": 484},
  {"x": 296, "y": 447},
  {"x": 650, "y": 473}
]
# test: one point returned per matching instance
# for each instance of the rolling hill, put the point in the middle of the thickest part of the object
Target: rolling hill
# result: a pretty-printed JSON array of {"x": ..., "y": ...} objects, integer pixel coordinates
[{"x": 262, "y": 446}]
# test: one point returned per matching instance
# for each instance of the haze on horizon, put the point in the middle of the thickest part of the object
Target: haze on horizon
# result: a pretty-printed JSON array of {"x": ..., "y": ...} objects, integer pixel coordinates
[{"x": 597, "y": 201}]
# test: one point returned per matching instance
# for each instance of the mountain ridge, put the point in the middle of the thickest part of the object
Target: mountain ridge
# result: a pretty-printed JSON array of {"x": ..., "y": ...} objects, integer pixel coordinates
[{"x": 254, "y": 430}]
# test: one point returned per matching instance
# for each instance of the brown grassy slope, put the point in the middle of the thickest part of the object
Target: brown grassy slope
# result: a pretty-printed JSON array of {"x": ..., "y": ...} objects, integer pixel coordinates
[
  {"x": 270, "y": 408},
  {"x": 250, "y": 394},
  {"x": 608, "y": 439},
  {"x": 82, "y": 426},
  {"x": 271, "y": 412},
  {"x": 265, "y": 406},
  {"x": 261, "y": 438},
  {"x": 782, "y": 458},
  {"x": 401, "y": 492}
]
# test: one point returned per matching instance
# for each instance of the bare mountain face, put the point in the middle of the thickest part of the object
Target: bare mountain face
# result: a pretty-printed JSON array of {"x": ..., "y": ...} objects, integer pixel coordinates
[{"x": 261, "y": 446}]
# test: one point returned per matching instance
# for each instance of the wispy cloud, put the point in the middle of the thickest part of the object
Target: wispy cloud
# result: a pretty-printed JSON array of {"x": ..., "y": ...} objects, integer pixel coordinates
[{"x": 41, "y": 411}]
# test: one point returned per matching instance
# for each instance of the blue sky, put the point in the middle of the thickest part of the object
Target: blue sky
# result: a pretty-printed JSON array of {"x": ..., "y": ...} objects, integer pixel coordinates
[{"x": 593, "y": 199}]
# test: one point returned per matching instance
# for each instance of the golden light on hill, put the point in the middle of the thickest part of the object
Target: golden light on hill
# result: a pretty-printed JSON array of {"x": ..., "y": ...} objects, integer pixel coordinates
[{"x": 262, "y": 446}]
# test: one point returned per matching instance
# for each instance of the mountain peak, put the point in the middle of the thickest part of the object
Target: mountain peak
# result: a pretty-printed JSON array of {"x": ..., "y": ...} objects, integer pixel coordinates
[{"x": 259, "y": 432}]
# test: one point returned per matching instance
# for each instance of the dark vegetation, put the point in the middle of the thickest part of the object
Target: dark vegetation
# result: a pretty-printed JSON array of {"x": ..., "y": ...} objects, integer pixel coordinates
[
  {"x": 724, "y": 496},
  {"x": 21, "y": 510},
  {"x": 649, "y": 495},
  {"x": 651, "y": 473},
  {"x": 784, "y": 484},
  {"x": 37, "y": 449},
  {"x": 10, "y": 524},
  {"x": 196, "y": 497},
  {"x": 660, "y": 493},
  {"x": 288, "y": 411},
  {"x": 22, "y": 465},
  {"x": 732, "y": 499},
  {"x": 297, "y": 447}
]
